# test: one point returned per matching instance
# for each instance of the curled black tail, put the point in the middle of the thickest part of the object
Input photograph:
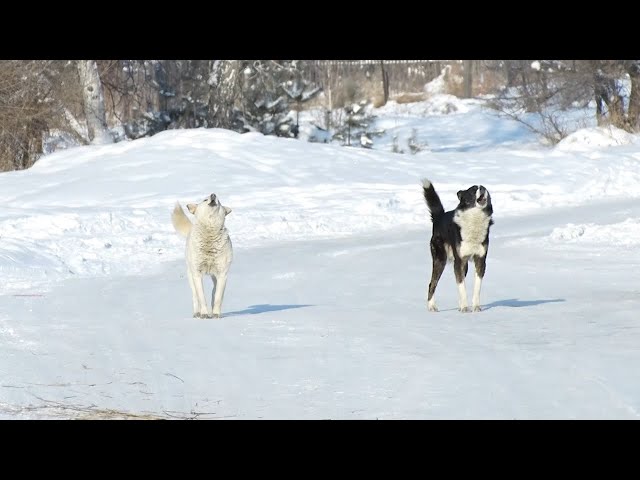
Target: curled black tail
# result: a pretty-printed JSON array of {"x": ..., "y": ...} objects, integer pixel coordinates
[{"x": 433, "y": 200}]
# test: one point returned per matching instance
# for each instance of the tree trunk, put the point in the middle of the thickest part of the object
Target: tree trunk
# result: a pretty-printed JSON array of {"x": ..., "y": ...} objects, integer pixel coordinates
[
  {"x": 329, "y": 90},
  {"x": 633, "y": 114},
  {"x": 508, "y": 73},
  {"x": 224, "y": 81},
  {"x": 385, "y": 83},
  {"x": 467, "y": 78},
  {"x": 599, "y": 109},
  {"x": 599, "y": 92},
  {"x": 93, "y": 98}
]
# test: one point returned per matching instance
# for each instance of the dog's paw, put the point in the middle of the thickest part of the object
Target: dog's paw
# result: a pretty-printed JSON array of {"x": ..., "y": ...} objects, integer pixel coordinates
[
  {"x": 464, "y": 309},
  {"x": 431, "y": 305},
  {"x": 216, "y": 315},
  {"x": 196, "y": 315},
  {"x": 477, "y": 308}
]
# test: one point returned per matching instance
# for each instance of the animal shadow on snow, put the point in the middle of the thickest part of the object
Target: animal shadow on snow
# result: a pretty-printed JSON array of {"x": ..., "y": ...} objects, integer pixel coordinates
[
  {"x": 262, "y": 308},
  {"x": 515, "y": 303}
]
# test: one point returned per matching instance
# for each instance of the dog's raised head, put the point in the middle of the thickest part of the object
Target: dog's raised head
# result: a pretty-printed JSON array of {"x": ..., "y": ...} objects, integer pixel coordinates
[
  {"x": 209, "y": 211},
  {"x": 476, "y": 196}
]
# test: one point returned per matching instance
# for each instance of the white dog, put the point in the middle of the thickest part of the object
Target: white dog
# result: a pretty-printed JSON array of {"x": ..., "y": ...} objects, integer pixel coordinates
[{"x": 208, "y": 252}]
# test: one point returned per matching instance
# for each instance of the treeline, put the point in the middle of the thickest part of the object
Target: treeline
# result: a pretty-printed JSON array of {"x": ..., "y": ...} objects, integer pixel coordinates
[{"x": 87, "y": 101}]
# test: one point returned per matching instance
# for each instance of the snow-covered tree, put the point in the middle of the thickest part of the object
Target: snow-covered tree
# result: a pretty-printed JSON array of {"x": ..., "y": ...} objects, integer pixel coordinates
[
  {"x": 224, "y": 83},
  {"x": 356, "y": 128},
  {"x": 271, "y": 91}
]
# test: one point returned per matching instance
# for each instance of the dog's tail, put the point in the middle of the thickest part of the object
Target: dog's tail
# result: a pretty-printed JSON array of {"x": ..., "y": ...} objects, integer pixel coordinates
[
  {"x": 180, "y": 221},
  {"x": 433, "y": 200}
]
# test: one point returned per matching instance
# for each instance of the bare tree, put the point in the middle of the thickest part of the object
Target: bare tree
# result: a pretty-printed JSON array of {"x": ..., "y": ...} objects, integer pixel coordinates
[
  {"x": 24, "y": 110},
  {"x": 548, "y": 87},
  {"x": 607, "y": 82},
  {"x": 93, "y": 96}
]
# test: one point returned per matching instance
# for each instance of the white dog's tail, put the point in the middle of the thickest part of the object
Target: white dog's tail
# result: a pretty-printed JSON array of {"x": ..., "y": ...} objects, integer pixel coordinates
[{"x": 180, "y": 221}]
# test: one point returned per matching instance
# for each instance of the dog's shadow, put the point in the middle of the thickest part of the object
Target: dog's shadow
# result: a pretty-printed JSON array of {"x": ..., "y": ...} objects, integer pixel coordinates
[
  {"x": 262, "y": 308},
  {"x": 515, "y": 303}
]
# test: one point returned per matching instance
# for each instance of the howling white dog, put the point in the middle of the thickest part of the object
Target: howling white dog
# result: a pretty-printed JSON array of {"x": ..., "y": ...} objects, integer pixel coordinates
[{"x": 209, "y": 251}]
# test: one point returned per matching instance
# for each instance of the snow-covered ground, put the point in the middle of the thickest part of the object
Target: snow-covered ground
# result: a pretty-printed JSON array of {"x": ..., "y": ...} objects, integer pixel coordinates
[{"x": 325, "y": 312}]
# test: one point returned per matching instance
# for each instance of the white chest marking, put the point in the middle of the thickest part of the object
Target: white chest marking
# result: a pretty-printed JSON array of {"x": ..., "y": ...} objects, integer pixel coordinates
[{"x": 473, "y": 225}]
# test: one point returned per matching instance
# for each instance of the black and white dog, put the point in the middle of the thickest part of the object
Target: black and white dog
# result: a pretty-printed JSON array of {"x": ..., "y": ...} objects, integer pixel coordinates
[{"x": 458, "y": 236}]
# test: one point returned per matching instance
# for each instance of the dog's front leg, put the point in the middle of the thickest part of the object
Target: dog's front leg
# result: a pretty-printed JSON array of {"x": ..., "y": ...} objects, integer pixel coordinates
[
  {"x": 481, "y": 265},
  {"x": 198, "y": 281},
  {"x": 458, "y": 266},
  {"x": 194, "y": 294},
  {"x": 218, "y": 294}
]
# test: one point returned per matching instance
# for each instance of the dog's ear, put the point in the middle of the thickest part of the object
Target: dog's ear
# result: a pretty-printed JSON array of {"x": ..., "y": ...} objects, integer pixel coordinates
[
  {"x": 192, "y": 208},
  {"x": 227, "y": 211},
  {"x": 460, "y": 192}
]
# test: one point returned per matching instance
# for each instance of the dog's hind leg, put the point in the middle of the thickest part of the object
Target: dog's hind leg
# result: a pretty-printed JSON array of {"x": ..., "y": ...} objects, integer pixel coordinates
[
  {"x": 218, "y": 295},
  {"x": 439, "y": 262},
  {"x": 481, "y": 265},
  {"x": 460, "y": 271}
]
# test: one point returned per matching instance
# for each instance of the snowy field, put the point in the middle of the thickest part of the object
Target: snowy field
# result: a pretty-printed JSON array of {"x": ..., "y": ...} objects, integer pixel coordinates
[{"x": 325, "y": 312}]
